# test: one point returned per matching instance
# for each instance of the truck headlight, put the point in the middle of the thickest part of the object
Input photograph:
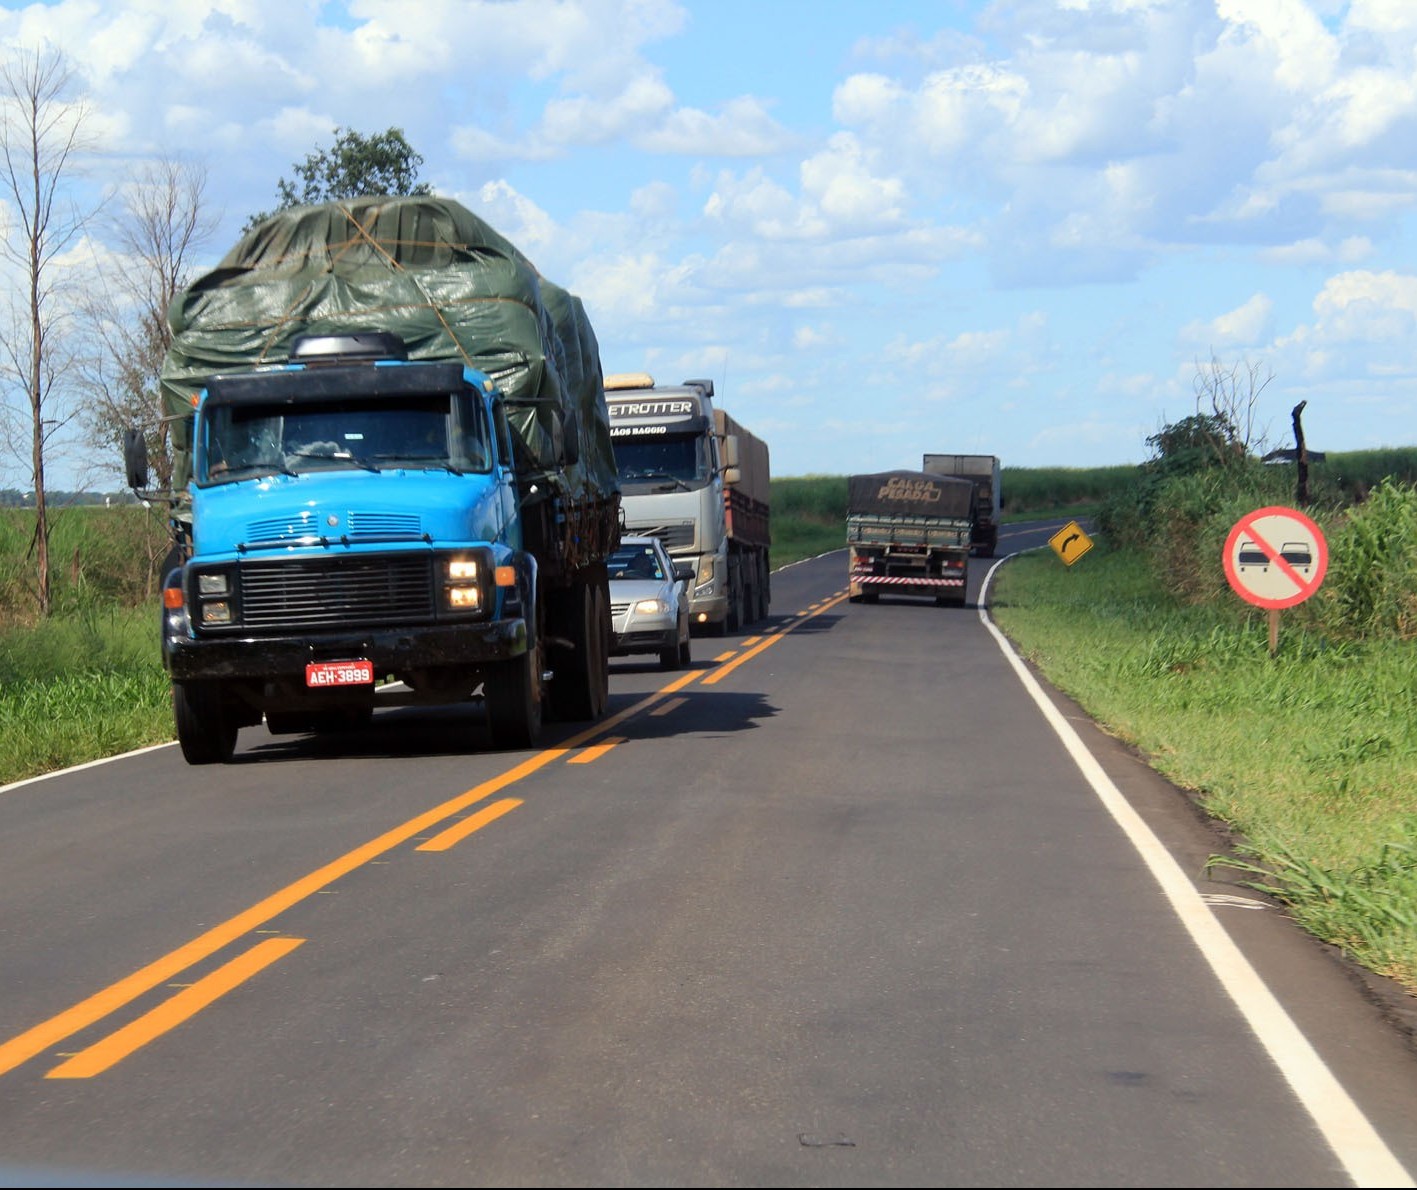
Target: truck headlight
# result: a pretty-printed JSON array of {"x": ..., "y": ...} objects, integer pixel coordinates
[
  {"x": 464, "y": 599},
  {"x": 464, "y": 579},
  {"x": 212, "y": 584},
  {"x": 216, "y": 611}
]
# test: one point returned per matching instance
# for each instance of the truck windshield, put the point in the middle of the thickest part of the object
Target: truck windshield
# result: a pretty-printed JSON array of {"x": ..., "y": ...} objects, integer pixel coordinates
[
  {"x": 436, "y": 431},
  {"x": 661, "y": 464}
]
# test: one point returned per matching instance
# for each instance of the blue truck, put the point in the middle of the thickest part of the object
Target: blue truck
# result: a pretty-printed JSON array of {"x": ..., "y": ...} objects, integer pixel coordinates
[{"x": 394, "y": 482}]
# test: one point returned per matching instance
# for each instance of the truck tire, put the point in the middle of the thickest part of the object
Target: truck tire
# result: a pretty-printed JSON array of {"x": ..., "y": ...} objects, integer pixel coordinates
[
  {"x": 581, "y": 687},
  {"x": 605, "y": 629},
  {"x": 512, "y": 694},
  {"x": 206, "y": 729}
]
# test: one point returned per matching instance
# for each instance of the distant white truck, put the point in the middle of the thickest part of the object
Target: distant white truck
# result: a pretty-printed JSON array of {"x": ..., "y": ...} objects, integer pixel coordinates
[
  {"x": 984, "y": 471},
  {"x": 699, "y": 481}
]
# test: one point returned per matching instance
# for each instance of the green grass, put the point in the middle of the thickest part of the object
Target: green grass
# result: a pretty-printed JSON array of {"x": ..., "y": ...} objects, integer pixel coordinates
[{"x": 80, "y": 688}]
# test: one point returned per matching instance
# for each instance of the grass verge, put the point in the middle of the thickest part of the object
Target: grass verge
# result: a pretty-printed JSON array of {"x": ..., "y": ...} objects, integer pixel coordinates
[{"x": 80, "y": 688}]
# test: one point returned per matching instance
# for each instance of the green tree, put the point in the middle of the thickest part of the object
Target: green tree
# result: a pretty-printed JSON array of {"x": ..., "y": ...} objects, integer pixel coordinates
[{"x": 353, "y": 167}]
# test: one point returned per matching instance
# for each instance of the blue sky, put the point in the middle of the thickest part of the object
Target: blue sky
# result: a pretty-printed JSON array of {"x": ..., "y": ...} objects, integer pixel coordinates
[{"x": 884, "y": 228}]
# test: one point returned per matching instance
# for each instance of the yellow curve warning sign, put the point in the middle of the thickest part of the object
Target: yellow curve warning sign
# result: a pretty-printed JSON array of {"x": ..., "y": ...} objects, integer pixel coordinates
[{"x": 1070, "y": 542}]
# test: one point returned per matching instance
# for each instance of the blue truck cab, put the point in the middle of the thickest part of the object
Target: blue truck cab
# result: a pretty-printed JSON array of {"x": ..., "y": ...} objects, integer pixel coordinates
[{"x": 356, "y": 540}]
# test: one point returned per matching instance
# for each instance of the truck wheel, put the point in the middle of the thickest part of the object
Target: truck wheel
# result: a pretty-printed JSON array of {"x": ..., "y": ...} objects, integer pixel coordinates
[
  {"x": 512, "y": 693},
  {"x": 605, "y": 633},
  {"x": 581, "y": 686},
  {"x": 205, "y": 727}
]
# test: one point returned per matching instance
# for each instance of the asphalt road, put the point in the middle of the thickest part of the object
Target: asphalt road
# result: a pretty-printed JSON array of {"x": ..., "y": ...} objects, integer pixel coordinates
[{"x": 851, "y": 902}]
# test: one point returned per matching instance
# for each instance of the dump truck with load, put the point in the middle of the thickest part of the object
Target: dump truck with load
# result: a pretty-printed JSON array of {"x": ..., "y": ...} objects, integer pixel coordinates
[
  {"x": 394, "y": 483},
  {"x": 699, "y": 481},
  {"x": 984, "y": 472},
  {"x": 908, "y": 533}
]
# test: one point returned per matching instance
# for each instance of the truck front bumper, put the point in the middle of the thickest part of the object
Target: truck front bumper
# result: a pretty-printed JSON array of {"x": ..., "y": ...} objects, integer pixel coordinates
[{"x": 392, "y": 651}]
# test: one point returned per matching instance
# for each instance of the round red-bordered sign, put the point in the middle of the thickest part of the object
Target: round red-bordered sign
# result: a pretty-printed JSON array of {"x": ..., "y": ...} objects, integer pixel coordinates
[{"x": 1275, "y": 557}]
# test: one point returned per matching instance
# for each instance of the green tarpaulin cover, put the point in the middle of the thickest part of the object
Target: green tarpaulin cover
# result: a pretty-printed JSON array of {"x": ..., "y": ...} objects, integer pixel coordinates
[{"x": 431, "y": 271}]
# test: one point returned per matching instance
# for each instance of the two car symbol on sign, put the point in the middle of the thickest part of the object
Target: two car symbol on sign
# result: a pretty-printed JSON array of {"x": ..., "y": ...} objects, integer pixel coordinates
[{"x": 1296, "y": 553}]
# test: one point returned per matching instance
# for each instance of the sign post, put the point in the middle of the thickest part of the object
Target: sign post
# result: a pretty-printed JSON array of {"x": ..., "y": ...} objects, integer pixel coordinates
[{"x": 1275, "y": 558}]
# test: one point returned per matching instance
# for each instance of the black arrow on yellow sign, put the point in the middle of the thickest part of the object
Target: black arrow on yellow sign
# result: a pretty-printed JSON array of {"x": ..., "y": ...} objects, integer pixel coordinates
[{"x": 1070, "y": 542}]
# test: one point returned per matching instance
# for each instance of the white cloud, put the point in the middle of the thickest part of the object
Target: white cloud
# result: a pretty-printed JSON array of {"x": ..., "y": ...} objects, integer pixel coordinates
[
  {"x": 1368, "y": 306},
  {"x": 846, "y": 190},
  {"x": 745, "y": 129},
  {"x": 1244, "y": 326}
]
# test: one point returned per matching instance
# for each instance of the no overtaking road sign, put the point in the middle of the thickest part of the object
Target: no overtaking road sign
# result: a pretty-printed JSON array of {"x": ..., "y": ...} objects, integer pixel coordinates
[{"x": 1275, "y": 557}]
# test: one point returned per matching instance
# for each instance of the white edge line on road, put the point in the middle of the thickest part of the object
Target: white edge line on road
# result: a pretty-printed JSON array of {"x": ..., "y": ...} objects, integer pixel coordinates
[
  {"x": 1353, "y": 1139},
  {"x": 80, "y": 767}
]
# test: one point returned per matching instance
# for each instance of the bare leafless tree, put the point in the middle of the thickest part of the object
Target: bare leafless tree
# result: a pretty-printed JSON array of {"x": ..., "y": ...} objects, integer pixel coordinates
[
  {"x": 1232, "y": 394},
  {"x": 40, "y": 141},
  {"x": 159, "y": 226}
]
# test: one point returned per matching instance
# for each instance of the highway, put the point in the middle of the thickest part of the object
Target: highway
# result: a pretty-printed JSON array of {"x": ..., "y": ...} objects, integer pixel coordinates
[{"x": 853, "y": 901}]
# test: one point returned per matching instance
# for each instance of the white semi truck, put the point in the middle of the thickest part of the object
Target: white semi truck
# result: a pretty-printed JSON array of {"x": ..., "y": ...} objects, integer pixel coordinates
[{"x": 699, "y": 481}]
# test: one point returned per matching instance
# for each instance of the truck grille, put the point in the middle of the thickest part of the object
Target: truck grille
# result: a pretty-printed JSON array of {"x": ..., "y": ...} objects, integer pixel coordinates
[
  {"x": 675, "y": 536},
  {"x": 337, "y": 592}
]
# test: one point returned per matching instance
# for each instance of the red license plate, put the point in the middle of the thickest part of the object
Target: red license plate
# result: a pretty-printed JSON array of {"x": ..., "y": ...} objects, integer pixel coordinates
[{"x": 339, "y": 673}]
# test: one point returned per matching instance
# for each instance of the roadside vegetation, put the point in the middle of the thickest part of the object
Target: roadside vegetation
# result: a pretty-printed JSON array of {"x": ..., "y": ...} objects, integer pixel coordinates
[{"x": 1309, "y": 755}]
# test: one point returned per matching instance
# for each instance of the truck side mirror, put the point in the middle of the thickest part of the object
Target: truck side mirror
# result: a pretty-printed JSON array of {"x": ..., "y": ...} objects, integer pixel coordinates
[
  {"x": 135, "y": 457},
  {"x": 732, "y": 475},
  {"x": 503, "y": 431},
  {"x": 730, "y": 453}
]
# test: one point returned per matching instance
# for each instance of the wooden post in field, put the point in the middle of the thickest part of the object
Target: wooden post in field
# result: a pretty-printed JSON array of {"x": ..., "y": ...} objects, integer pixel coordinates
[
  {"x": 1301, "y": 459},
  {"x": 1273, "y": 631}
]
